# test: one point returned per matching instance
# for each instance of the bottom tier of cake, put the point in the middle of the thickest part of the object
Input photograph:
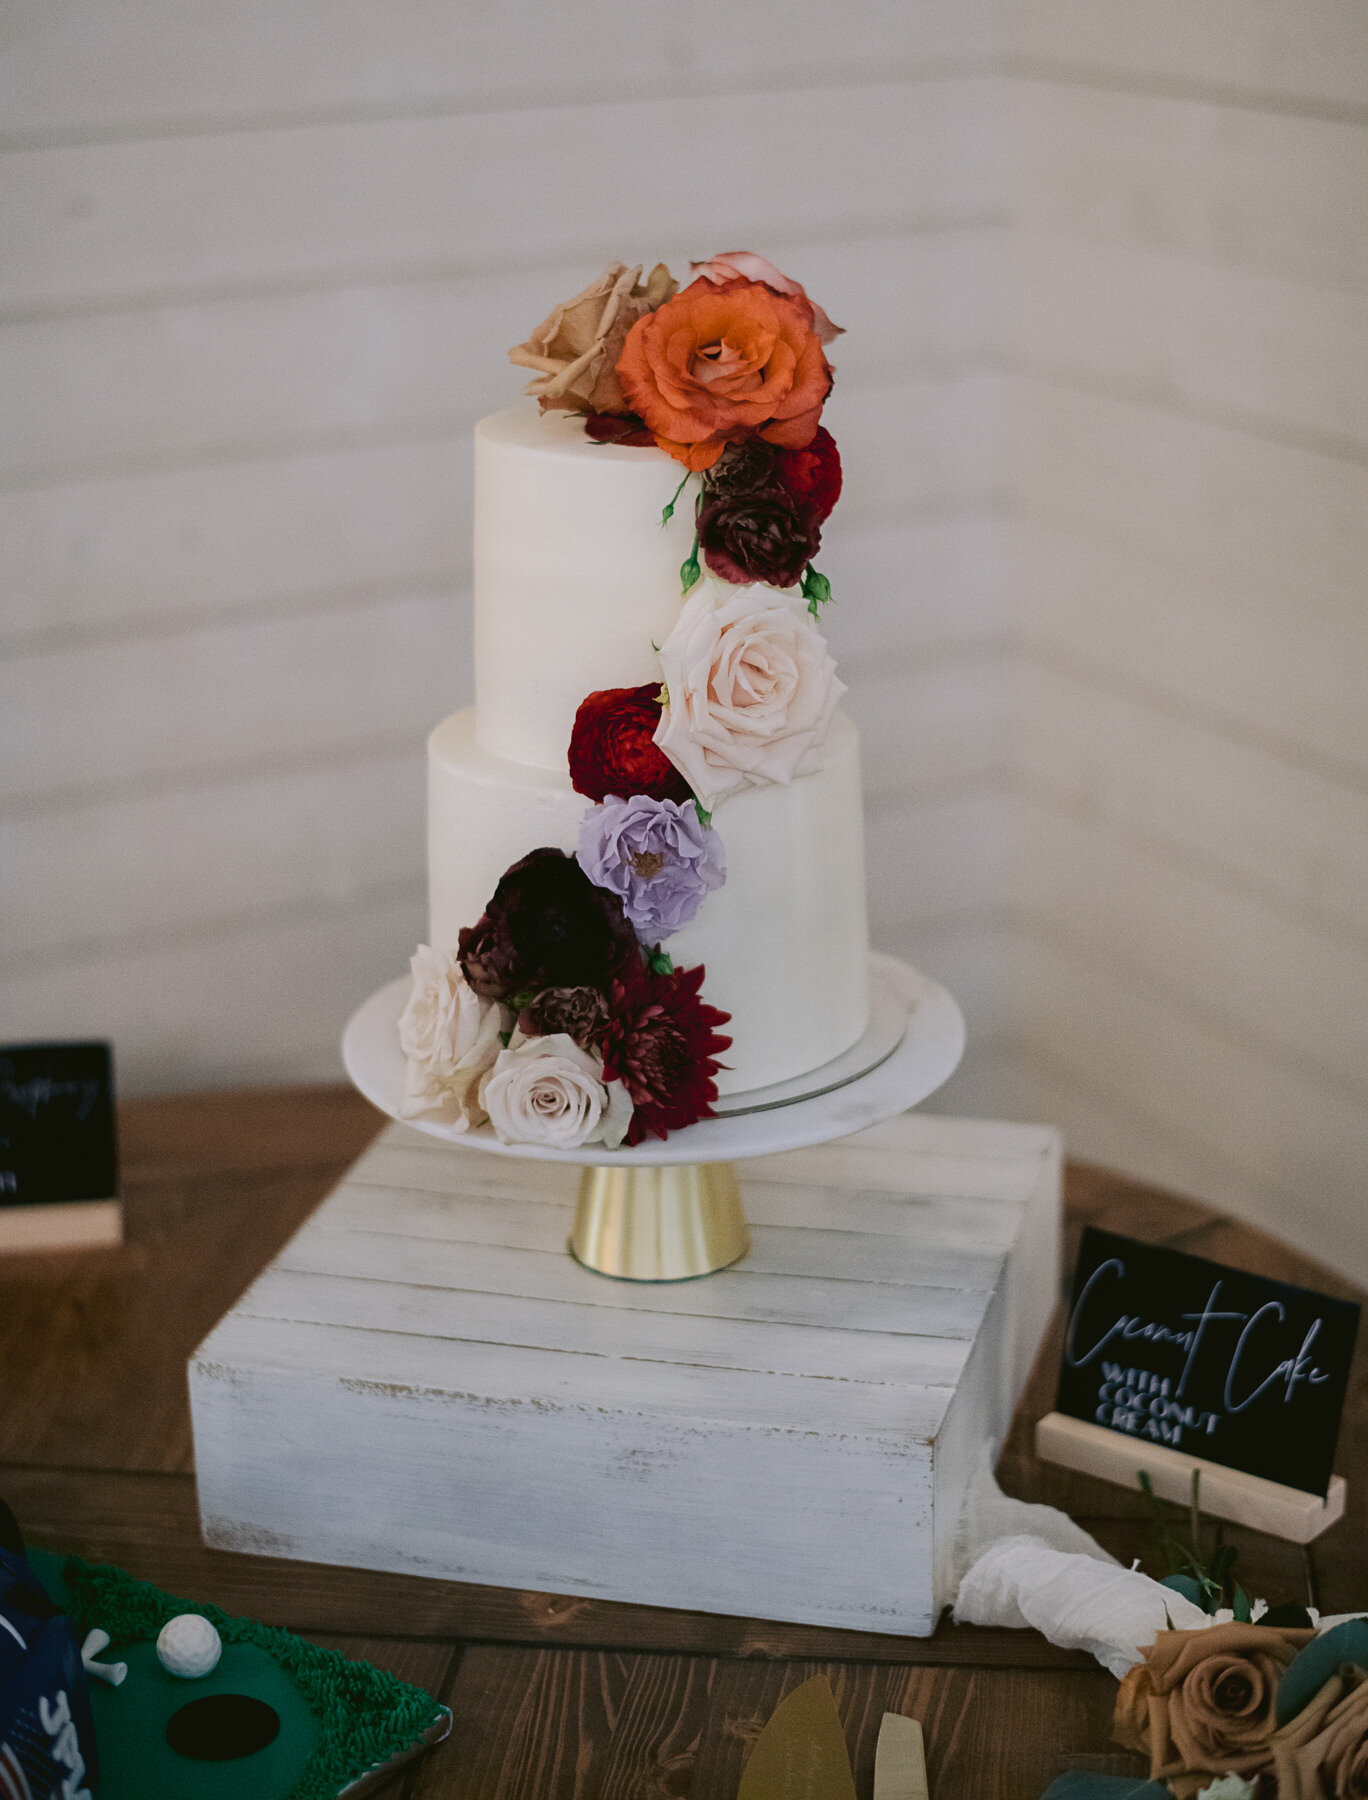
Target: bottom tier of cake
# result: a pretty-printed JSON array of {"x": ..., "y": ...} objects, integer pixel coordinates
[{"x": 784, "y": 942}]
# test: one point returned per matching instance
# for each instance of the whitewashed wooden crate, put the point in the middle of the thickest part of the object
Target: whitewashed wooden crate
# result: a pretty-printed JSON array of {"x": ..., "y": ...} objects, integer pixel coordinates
[{"x": 424, "y": 1381}]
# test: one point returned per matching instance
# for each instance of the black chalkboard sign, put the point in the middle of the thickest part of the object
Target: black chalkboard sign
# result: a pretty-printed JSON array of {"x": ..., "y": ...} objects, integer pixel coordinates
[
  {"x": 56, "y": 1124},
  {"x": 1217, "y": 1363}
]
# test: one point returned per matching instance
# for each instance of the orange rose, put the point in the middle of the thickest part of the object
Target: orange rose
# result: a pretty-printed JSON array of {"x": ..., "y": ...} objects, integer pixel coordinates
[{"x": 720, "y": 363}]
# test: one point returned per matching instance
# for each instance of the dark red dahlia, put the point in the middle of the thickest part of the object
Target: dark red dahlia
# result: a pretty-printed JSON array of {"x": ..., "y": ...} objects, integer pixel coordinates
[
  {"x": 619, "y": 428},
  {"x": 547, "y": 926},
  {"x": 611, "y": 751},
  {"x": 813, "y": 474},
  {"x": 762, "y": 536},
  {"x": 662, "y": 1043}
]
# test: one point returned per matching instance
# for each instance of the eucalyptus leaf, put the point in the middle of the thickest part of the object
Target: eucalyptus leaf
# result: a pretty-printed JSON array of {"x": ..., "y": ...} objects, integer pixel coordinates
[
  {"x": 1188, "y": 1586},
  {"x": 1323, "y": 1657},
  {"x": 1079, "y": 1784}
]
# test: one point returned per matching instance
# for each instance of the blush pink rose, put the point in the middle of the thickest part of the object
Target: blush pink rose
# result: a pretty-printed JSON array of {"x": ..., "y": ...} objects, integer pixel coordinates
[
  {"x": 750, "y": 267},
  {"x": 751, "y": 688}
]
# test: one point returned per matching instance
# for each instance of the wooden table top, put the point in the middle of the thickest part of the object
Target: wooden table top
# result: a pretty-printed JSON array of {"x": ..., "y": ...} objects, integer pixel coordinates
[{"x": 554, "y": 1698}]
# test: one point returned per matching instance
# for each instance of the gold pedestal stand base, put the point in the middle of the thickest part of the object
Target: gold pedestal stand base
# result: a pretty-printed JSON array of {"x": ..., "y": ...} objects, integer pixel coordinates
[{"x": 659, "y": 1224}]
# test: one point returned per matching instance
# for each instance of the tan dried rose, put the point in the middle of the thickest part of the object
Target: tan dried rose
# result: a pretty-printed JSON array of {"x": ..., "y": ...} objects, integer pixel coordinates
[
  {"x": 1322, "y": 1753},
  {"x": 575, "y": 350},
  {"x": 1201, "y": 1703}
]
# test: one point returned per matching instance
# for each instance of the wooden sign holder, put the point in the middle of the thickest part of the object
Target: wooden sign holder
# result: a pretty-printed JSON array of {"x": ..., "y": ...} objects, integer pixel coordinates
[{"x": 1284, "y": 1512}]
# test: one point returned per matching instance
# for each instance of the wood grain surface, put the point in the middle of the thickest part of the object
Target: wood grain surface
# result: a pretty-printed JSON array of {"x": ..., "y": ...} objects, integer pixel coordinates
[{"x": 552, "y": 1696}]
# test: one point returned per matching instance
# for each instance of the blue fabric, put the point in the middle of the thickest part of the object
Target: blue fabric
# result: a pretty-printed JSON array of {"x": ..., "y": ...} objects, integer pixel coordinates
[{"x": 47, "y": 1737}]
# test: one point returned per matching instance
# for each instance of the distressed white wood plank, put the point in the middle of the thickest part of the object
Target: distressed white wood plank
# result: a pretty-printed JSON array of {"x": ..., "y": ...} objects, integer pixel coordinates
[
  {"x": 582, "y": 1383},
  {"x": 1285, "y": 52},
  {"x": 519, "y": 1219},
  {"x": 1215, "y": 646},
  {"x": 972, "y": 1212},
  {"x": 930, "y": 857},
  {"x": 1260, "y": 820},
  {"x": 124, "y": 551},
  {"x": 1278, "y": 350},
  {"x": 607, "y": 1503},
  {"x": 132, "y": 65},
  {"x": 1279, "y": 518},
  {"x": 739, "y": 1293},
  {"x": 801, "y": 1463},
  {"x": 206, "y": 379},
  {"x": 261, "y": 690},
  {"x": 456, "y": 1315},
  {"x": 192, "y": 215},
  {"x": 931, "y": 726},
  {"x": 1297, "y": 1145},
  {"x": 258, "y": 1000},
  {"x": 920, "y": 584},
  {"x": 1263, "y": 973},
  {"x": 77, "y": 877},
  {"x": 912, "y": 1156},
  {"x": 1269, "y": 192}
]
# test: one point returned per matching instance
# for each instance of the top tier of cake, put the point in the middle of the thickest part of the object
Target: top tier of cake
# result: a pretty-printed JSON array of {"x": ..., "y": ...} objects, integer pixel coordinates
[{"x": 574, "y": 575}]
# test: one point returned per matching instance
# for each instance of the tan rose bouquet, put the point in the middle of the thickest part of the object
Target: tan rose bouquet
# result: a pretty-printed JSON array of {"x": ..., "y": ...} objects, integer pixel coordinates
[
  {"x": 1282, "y": 1707},
  {"x": 1201, "y": 1704}
]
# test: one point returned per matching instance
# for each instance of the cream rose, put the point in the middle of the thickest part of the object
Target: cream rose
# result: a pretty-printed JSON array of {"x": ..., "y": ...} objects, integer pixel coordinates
[
  {"x": 576, "y": 348},
  {"x": 751, "y": 689},
  {"x": 450, "y": 1037},
  {"x": 546, "y": 1090}
]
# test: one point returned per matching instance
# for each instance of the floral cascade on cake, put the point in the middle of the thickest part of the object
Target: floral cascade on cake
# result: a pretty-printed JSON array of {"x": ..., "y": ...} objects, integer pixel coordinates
[{"x": 559, "y": 1018}]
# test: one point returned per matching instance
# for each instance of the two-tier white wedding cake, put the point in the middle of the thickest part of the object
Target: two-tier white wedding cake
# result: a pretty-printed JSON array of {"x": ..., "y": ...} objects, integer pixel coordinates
[{"x": 657, "y": 718}]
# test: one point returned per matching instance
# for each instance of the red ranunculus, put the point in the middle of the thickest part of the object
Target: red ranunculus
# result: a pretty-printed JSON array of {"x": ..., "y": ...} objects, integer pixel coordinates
[
  {"x": 611, "y": 748},
  {"x": 813, "y": 474},
  {"x": 662, "y": 1044}
]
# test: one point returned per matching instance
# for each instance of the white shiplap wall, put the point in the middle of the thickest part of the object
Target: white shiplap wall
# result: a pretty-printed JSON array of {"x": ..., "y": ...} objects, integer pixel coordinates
[
  {"x": 263, "y": 264},
  {"x": 1189, "y": 546}
]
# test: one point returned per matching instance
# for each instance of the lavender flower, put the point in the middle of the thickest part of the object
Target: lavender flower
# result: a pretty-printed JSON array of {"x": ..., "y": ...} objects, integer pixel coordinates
[{"x": 656, "y": 855}]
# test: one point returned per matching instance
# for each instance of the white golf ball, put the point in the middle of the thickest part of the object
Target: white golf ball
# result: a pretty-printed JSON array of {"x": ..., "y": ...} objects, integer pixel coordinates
[{"x": 189, "y": 1646}]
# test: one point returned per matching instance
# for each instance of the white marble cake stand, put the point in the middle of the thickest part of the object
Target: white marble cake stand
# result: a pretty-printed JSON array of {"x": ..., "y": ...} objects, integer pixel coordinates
[{"x": 669, "y": 1210}]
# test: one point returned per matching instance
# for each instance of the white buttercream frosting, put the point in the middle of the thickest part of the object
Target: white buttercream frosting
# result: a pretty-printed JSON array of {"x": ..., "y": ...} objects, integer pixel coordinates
[
  {"x": 575, "y": 577},
  {"x": 577, "y": 584},
  {"x": 783, "y": 941}
]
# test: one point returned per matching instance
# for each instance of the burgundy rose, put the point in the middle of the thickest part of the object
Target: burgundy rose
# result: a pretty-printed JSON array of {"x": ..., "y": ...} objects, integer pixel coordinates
[
  {"x": 547, "y": 926},
  {"x": 619, "y": 428},
  {"x": 763, "y": 536},
  {"x": 580, "y": 1012},
  {"x": 813, "y": 474},
  {"x": 662, "y": 1044},
  {"x": 611, "y": 748}
]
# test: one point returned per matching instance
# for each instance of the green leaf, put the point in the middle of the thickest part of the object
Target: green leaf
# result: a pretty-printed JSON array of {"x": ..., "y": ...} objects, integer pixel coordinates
[
  {"x": 1186, "y": 1585},
  {"x": 816, "y": 590},
  {"x": 668, "y": 513},
  {"x": 659, "y": 961},
  {"x": 704, "y": 817},
  {"x": 1313, "y": 1665},
  {"x": 1244, "y": 1612},
  {"x": 504, "y": 1037}
]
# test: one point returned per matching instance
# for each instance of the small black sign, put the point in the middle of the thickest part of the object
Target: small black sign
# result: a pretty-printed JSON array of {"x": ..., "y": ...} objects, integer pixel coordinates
[
  {"x": 56, "y": 1124},
  {"x": 1211, "y": 1361}
]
